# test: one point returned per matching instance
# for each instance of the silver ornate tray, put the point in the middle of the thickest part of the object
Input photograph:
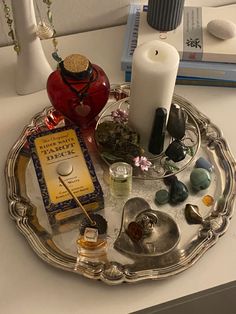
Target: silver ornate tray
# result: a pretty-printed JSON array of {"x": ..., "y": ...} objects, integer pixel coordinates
[{"x": 59, "y": 250}]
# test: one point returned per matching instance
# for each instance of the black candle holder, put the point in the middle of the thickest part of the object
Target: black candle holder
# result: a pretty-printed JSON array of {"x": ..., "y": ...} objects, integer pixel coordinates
[{"x": 165, "y": 15}]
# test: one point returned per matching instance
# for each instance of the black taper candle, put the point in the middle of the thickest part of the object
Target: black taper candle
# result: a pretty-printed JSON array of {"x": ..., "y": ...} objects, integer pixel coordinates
[{"x": 156, "y": 141}]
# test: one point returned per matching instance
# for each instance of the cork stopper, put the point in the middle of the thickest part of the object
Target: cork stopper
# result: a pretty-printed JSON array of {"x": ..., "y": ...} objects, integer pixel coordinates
[{"x": 76, "y": 63}]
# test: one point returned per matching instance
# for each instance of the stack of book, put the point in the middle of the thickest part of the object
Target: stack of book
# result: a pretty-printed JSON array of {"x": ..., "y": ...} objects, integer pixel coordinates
[{"x": 205, "y": 59}]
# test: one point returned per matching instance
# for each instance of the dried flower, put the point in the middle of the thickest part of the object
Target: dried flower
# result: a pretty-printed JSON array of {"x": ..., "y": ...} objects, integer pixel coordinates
[
  {"x": 117, "y": 141},
  {"x": 142, "y": 162},
  {"x": 119, "y": 115}
]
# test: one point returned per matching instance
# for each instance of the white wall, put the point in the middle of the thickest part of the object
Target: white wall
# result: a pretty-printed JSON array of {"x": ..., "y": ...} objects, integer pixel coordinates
[{"x": 72, "y": 16}]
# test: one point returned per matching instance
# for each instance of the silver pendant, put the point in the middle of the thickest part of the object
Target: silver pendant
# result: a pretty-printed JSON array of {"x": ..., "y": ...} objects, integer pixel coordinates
[{"x": 44, "y": 30}]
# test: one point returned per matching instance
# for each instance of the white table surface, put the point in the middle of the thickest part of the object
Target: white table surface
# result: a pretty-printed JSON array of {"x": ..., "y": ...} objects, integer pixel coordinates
[{"x": 30, "y": 286}]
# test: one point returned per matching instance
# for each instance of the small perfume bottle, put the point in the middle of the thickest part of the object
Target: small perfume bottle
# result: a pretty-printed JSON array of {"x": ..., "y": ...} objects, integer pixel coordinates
[
  {"x": 120, "y": 179},
  {"x": 92, "y": 242}
]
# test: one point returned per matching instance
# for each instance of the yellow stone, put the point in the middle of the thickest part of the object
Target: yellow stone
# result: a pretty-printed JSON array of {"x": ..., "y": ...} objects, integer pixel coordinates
[{"x": 208, "y": 200}]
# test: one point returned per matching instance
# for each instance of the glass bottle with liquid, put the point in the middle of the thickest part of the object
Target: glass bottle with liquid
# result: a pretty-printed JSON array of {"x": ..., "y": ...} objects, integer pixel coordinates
[
  {"x": 120, "y": 179},
  {"x": 92, "y": 246}
]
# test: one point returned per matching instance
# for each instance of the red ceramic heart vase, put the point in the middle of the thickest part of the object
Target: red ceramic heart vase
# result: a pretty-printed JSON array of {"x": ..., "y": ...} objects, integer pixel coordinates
[{"x": 79, "y": 90}]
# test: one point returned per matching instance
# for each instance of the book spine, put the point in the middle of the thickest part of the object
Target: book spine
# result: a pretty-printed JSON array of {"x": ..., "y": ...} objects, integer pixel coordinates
[
  {"x": 191, "y": 80},
  {"x": 131, "y": 35},
  {"x": 182, "y": 80},
  {"x": 207, "y": 70},
  {"x": 210, "y": 70}
]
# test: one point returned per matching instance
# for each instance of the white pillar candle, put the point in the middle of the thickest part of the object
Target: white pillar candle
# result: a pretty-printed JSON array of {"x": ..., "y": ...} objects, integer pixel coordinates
[{"x": 154, "y": 69}]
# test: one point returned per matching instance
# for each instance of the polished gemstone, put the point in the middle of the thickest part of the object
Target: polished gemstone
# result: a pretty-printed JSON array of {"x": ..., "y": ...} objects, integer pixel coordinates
[
  {"x": 221, "y": 204},
  {"x": 178, "y": 192},
  {"x": 176, "y": 151},
  {"x": 169, "y": 178},
  {"x": 192, "y": 214},
  {"x": 208, "y": 200},
  {"x": 162, "y": 197},
  {"x": 200, "y": 179},
  {"x": 156, "y": 142},
  {"x": 204, "y": 163},
  {"x": 134, "y": 231},
  {"x": 176, "y": 122}
]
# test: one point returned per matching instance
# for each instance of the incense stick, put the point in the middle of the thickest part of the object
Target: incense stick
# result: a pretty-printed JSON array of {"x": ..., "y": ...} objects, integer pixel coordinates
[{"x": 76, "y": 200}]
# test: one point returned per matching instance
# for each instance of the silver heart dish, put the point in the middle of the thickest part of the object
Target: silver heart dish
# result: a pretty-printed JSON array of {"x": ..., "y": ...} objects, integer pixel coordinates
[{"x": 159, "y": 232}]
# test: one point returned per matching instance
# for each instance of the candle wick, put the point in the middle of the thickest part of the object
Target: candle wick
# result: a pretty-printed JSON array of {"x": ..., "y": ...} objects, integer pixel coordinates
[{"x": 156, "y": 52}]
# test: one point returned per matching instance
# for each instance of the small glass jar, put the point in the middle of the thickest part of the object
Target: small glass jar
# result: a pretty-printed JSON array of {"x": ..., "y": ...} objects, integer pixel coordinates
[
  {"x": 92, "y": 249},
  {"x": 79, "y": 90},
  {"x": 120, "y": 179}
]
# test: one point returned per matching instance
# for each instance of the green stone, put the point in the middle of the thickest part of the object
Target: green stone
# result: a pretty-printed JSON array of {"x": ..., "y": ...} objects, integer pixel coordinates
[
  {"x": 200, "y": 179},
  {"x": 178, "y": 192},
  {"x": 162, "y": 197}
]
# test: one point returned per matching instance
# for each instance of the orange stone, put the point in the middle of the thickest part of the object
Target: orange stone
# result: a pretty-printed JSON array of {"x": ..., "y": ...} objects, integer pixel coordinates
[{"x": 208, "y": 200}]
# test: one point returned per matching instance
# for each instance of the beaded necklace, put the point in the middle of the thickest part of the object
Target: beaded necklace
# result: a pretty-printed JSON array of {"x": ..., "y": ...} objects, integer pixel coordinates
[
  {"x": 43, "y": 30},
  {"x": 9, "y": 21}
]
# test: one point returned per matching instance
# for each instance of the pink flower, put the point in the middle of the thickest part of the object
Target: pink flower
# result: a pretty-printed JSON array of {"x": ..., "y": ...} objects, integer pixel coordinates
[
  {"x": 119, "y": 115},
  {"x": 142, "y": 162}
]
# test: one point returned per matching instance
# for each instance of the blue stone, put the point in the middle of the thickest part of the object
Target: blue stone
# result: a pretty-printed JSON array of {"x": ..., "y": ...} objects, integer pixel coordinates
[
  {"x": 205, "y": 164},
  {"x": 162, "y": 197},
  {"x": 200, "y": 179},
  {"x": 178, "y": 192}
]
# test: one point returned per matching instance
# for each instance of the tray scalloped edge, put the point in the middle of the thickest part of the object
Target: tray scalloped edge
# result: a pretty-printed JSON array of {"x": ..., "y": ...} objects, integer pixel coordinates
[{"x": 112, "y": 272}]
